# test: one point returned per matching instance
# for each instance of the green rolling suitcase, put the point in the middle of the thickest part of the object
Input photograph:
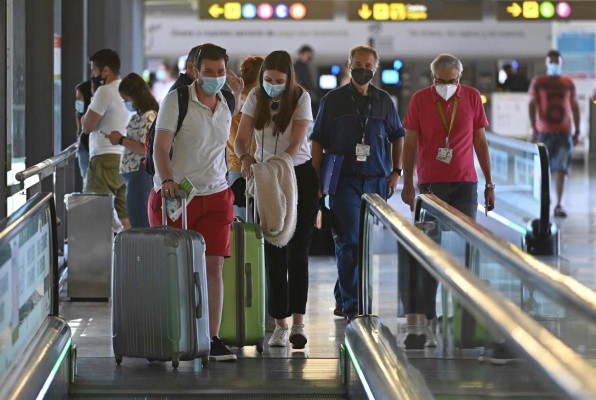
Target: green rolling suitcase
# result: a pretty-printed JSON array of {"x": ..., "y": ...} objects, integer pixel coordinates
[{"x": 243, "y": 316}]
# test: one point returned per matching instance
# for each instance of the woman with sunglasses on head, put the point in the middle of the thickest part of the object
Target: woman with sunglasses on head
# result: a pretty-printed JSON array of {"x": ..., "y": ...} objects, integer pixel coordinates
[
  {"x": 278, "y": 113},
  {"x": 138, "y": 99}
]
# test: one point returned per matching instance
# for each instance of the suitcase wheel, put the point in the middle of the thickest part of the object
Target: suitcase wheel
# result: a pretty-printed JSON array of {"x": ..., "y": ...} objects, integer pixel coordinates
[
  {"x": 204, "y": 361},
  {"x": 118, "y": 359},
  {"x": 150, "y": 359},
  {"x": 260, "y": 347},
  {"x": 175, "y": 362}
]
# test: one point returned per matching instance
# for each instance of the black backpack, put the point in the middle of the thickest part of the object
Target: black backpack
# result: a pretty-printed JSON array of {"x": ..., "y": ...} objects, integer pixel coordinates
[{"x": 182, "y": 110}]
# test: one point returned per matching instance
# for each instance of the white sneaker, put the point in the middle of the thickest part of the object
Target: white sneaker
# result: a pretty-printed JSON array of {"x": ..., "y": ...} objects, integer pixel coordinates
[
  {"x": 279, "y": 337},
  {"x": 297, "y": 336},
  {"x": 431, "y": 329}
]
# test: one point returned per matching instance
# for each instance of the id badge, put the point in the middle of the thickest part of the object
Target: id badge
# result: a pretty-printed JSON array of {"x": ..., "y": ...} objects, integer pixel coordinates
[
  {"x": 362, "y": 152},
  {"x": 444, "y": 154}
]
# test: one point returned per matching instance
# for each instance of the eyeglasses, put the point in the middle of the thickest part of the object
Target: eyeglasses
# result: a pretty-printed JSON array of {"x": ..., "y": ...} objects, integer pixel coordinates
[
  {"x": 444, "y": 82},
  {"x": 210, "y": 51}
]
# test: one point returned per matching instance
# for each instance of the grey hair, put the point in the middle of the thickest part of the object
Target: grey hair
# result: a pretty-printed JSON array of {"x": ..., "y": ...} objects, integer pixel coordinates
[
  {"x": 365, "y": 49},
  {"x": 446, "y": 61}
]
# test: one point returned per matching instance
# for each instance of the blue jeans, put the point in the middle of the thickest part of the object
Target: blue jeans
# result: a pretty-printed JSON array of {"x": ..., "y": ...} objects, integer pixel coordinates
[
  {"x": 138, "y": 186},
  {"x": 83, "y": 157},
  {"x": 417, "y": 288},
  {"x": 560, "y": 148},
  {"x": 345, "y": 206}
]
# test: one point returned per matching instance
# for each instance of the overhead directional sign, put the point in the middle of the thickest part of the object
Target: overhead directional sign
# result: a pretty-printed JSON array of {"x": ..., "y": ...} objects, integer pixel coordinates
[
  {"x": 532, "y": 10},
  {"x": 429, "y": 10},
  {"x": 266, "y": 10}
]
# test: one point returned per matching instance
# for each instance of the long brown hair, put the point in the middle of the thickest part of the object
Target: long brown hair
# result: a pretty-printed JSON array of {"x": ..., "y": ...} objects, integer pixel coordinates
[
  {"x": 135, "y": 87},
  {"x": 281, "y": 61}
]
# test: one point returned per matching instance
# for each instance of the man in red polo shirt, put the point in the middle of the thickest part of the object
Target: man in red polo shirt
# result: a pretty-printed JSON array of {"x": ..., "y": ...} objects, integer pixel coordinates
[{"x": 444, "y": 125}]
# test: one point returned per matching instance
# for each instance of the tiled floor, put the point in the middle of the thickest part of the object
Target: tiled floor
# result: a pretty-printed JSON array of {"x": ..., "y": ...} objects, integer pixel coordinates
[{"x": 314, "y": 370}]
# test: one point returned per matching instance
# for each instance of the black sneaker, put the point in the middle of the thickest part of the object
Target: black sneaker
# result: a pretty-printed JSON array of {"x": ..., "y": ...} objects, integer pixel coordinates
[
  {"x": 499, "y": 354},
  {"x": 338, "y": 312},
  {"x": 219, "y": 351},
  {"x": 559, "y": 212},
  {"x": 414, "y": 341}
]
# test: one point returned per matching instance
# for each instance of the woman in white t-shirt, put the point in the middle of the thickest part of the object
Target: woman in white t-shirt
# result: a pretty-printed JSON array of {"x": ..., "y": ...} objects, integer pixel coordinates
[
  {"x": 137, "y": 98},
  {"x": 278, "y": 112}
]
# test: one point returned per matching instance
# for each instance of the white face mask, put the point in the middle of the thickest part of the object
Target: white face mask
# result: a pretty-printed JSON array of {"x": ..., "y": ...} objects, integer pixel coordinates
[{"x": 446, "y": 91}]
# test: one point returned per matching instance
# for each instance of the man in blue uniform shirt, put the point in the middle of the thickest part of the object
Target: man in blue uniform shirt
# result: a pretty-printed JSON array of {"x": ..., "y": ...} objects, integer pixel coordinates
[{"x": 360, "y": 122}]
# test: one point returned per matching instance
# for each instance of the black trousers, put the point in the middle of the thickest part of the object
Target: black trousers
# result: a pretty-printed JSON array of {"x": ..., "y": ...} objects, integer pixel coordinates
[
  {"x": 417, "y": 287},
  {"x": 287, "y": 267}
]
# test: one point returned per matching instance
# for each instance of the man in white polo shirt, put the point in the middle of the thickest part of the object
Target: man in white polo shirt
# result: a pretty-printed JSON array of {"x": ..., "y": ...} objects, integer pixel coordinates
[
  {"x": 106, "y": 113},
  {"x": 198, "y": 154}
]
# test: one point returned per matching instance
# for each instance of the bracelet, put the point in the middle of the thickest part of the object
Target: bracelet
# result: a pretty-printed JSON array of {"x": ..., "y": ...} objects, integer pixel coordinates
[
  {"x": 489, "y": 186},
  {"x": 166, "y": 181},
  {"x": 121, "y": 140},
  {"x": 244, "y": 155}
]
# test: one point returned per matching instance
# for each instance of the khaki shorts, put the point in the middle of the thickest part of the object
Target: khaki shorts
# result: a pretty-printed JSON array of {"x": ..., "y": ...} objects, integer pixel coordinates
[{"x": 103, "y": 176}]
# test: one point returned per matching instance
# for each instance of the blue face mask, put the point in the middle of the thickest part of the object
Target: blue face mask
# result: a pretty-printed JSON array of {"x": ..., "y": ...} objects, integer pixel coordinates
[
  {"x": 80, "y": 106},
  {"x": 129, "y": 106},
  {"x": 274, "y": 90},
  {"x": 212, "y": 85},
  {"x": 160, "y": 75},
  {"x": 553, "y": 69}
]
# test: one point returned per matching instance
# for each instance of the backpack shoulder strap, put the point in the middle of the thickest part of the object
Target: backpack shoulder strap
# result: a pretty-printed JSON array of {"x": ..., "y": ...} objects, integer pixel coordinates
[
  {"x": 183, "y": 98},
  {"x": 229, "y": 96}
]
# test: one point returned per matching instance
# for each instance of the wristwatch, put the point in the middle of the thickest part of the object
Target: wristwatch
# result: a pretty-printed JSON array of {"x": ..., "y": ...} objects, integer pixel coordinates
[
  {"x": 489, "y": 186},
  {"x": 398, "y": 171}
]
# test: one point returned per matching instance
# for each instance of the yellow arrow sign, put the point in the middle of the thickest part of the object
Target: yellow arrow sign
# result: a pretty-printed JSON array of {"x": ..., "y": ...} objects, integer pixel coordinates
[
  {"x": 514, "y": 9},
  {"x": 216, "y": 10},
  {"x": 365, "y": 12}
]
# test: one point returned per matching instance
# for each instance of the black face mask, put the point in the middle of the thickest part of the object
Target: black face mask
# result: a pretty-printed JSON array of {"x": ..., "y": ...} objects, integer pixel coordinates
[
  {"x": 362, "y": 75},
  {"x": 96, "y": 81}
]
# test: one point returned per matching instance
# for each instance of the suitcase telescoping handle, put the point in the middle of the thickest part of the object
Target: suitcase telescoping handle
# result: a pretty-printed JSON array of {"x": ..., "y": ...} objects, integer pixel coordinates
[
  {"x": 251, "y": 205},
  {"x": 164, "y": 219},
  {"x": 199, "y": 305}
]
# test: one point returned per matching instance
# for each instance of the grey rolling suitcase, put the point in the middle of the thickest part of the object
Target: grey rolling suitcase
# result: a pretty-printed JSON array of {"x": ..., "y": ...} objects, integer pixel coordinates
[{"x": 159, "y": 294}]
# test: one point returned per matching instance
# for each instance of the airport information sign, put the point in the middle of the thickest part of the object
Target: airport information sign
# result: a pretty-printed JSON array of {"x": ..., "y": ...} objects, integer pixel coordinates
[
  {"x": 531, "y": 10},
  {"x": 266, "y": 10},
  {"x": 430, "y": 10}
]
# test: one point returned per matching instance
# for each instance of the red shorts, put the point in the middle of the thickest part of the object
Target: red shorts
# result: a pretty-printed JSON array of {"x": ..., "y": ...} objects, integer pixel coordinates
[{"x": 209, "y": 215}]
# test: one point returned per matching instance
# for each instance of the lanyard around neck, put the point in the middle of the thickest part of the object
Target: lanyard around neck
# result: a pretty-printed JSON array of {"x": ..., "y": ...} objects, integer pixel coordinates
[
  {"x": 442, "y": 113},
  {"x": 368, "y": 110}
]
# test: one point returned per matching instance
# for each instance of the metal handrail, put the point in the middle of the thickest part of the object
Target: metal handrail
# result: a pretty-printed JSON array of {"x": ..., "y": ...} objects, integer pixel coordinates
[
  {"x": 511, "y": 143},
  {"x": 49, "y": 166},
  {"x": 565, "y": 289},
  {"x": 545, "y": 353},
  {"x": 382, "y": 367}
]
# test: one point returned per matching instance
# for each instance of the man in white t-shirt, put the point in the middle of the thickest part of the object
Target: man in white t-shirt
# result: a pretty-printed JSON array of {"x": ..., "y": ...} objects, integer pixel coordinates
[
  {"x": 105, "y": 114},
  {"x": 198, "y": 154}
]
